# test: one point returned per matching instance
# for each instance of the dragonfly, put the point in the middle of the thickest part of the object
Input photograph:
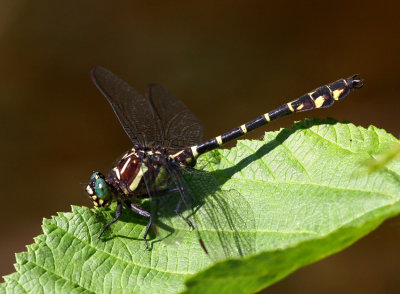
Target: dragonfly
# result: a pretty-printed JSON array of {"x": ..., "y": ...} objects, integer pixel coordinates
[{"x": 167, "y": 141}]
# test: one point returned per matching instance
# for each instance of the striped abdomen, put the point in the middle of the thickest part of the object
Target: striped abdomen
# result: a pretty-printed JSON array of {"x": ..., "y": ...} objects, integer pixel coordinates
[{"x": 321, "y": 97}]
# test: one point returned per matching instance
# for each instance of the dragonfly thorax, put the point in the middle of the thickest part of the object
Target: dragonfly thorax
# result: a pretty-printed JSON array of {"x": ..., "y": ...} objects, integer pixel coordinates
[
  {"x": 128, "y": 175},
  {"x": 141, "y": 166},
  {"x": 136, "y": 167}
]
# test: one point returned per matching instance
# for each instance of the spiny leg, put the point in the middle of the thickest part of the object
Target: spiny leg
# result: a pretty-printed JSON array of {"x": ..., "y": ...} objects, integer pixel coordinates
[
  {"x": 189, "y": 223},
  {"x": 179, "y": 188},
  {"x": 137, "y": 209},
  {"x": 118, "y": 214},
  {"x": 161, "y": 193}
]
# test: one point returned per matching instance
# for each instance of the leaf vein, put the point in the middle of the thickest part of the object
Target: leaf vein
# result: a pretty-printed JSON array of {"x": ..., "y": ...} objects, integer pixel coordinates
[
  {"x": 331, "y": 142},
  {"x": 118, "y": 258},
  {"x": 262, "y": 160}
]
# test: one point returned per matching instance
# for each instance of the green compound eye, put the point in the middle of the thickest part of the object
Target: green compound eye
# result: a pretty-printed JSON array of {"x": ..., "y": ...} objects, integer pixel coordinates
[
  {"x": 99, "y": 190},
  {"x": 102, "y": 190}
]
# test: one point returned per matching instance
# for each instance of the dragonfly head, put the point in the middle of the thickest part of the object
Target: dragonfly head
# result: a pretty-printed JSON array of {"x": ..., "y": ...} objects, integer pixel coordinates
[{"x": 99, "y": 190}]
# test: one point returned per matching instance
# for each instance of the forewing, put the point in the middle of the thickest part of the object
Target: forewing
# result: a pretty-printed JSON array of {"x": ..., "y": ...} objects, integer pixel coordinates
[
  {"x": 134, "y": 111},
  {"x": 180, "y": 127}
]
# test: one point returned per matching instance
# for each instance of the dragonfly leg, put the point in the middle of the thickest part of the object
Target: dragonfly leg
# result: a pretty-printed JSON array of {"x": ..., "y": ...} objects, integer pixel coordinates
[
  {"x": 137, "y": 209},
  {"x": 160, "y": 193},
  {"x": 178, "y": 207},
  {"x": 118, "y": 214}
]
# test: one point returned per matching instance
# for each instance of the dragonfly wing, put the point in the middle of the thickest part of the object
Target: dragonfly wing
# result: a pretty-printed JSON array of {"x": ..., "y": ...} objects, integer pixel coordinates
[
  {"x": 180, "y": 127},
  {"x": 134, "y": 111}
]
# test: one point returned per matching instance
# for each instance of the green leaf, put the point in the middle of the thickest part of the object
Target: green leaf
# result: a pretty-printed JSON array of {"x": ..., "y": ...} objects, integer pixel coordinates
[
  {"x": 306, "y": 193},
  {"x": 381, "y": 160}
]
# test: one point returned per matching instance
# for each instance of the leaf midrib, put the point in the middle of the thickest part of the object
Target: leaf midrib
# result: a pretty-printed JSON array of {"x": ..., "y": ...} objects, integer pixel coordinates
[{"x": 392, "y": 197}]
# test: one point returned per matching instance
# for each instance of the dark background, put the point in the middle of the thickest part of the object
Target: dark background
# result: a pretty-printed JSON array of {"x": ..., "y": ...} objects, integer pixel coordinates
[{"x": 228, "y": 61}]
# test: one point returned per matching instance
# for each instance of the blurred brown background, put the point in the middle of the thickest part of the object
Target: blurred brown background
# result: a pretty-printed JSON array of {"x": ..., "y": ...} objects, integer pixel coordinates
[{"x": 238, "y": 58}]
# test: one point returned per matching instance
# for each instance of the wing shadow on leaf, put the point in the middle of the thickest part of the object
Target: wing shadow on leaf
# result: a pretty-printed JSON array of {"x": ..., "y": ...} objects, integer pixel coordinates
[
  {"x": 223, "y": 219},
  {"x": 224, "y": 175}
]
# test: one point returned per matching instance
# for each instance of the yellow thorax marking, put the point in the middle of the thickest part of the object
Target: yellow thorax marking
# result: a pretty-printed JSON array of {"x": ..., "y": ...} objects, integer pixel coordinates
[
  {"x": 194, "y": 151},
  {"x": 117, "y": 173},
  {"x": 176, "y": 154},
  {"x": 125, "y": 165},
  {"x": 138, "y": 177}
]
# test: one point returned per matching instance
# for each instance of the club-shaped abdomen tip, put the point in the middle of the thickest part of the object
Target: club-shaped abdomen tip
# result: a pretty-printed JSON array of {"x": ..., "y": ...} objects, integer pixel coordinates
[{"x": 354, "y": 82}]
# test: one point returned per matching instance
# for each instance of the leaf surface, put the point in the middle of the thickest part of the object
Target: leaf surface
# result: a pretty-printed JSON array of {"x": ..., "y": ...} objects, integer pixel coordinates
[{"x": 307, "y": 195}]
